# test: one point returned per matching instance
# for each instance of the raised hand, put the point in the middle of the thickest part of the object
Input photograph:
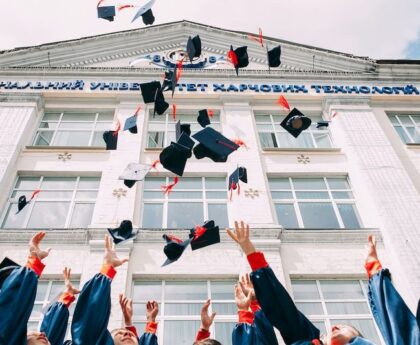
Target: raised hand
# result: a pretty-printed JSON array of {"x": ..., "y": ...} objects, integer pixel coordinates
[
  {"x": 110, "y": 257},
  {"x": 372, "y": 254},
  {"x": 243, "y": 301},
  {"x": 206, "y": 318},
  {"x": 246, "y": 286},
  {"x": 127, "y": 309},
  {"x": 152, "y": 310},
  {"x": 69, "y": 286},
  {"x": 34, "y": 249},
  {"x": 241, "y": 236}
]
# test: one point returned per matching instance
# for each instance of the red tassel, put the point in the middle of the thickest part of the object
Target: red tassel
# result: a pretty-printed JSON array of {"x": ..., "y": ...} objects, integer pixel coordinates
[
  {"x": 166, "y": 189},
  {"x": 261, "y": 37},
  {"x": 258, "y": 39},
  {"x": 226, "y": 144},
  {"x": 137, "y": 110},
  {"x": 174, "y": 111},
  {"x": 199, "y": 231},
  {"x": 179, "y": 67},
  {"x": 117, "y": 129},
  {"x": 240, "y": 142},
  {"x": 35, "y": 193},
  {"x": 175, "y": 239},
  {"x": 232, "y": 58},
  {"x": 155, "y": 163},
  {"x": 282, "y": 101},
  {"x": 231, "y": 189},
  {"x": 334, "y": 114},
  {"x": 210, "y": 112},
  {"x": 124, "y": 6},
  {"x": 100, "y": 2}
]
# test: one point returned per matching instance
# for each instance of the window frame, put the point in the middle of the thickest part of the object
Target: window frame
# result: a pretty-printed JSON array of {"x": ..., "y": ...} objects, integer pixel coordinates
[{"x": 404, "y": 127}]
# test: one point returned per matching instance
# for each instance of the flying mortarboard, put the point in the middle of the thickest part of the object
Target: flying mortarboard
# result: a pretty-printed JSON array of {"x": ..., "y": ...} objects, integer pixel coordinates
[
  {"x": 111, "y": 139},
  {"x": 131, "y": 122},
  {"x": 174, "y": 157},
  {"x": 239, "y": 174},
  {"x": 322, "y": 124},
  {"x": 213, "y": 145},
  {"x": 204, "y": 117},
  {"x": 22, "y": 202},
  {"x": 174, "y": 248},
  {"x": 134, "y": 172},
  {"x": 146, "y": 13},
  {"x": 194, "y": 47},
  {"x": 295, "y": 123},
  {"x": 160, "y": 104},
  {"x": 123, "y": 233},
  {"x": 169, "y": 82},
  {"x": 273, "y": 56},
  {"x": 203, "y": 236},
  {"x": 106, "y": 12},
  {"x": 6, "y": 267},
  {"x": 239, "y": 57},
  {"x": 182, "y": 128},
  {"x": 149, "y": 90}
]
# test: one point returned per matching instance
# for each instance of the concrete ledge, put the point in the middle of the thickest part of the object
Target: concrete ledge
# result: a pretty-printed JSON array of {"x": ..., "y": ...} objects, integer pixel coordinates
[
  {"x": 306, "y": 150},
  {"x": 329, "y": 236},
  {"x": 29, "y": 149}
]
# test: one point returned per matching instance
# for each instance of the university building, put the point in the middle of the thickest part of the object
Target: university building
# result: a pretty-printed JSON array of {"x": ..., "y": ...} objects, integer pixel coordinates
[{"x": 311, "y": 202}]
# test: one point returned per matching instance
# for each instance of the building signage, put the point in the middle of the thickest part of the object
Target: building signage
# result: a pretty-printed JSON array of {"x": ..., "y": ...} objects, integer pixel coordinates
[{"x": 216, "y": 87}]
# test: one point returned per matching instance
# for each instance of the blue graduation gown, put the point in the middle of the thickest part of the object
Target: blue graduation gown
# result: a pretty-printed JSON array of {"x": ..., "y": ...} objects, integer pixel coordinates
[
  {"x": 54, "y": 324},
  {"x": 396, "y": 322},
  {"x": 17, "y": 298},
  {"x": 261, "y": 332},
  {"x": 148, "y": 339}
]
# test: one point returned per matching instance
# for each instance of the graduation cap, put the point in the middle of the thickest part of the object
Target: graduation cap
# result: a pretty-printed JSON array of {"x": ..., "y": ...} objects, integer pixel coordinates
[
  {"x": 134, "y": 172},
  {"x": 194, "y": 47},
  {"x": 146, "y": 13},
  {"x": 239, "y": 57},
  {"x": 203, "y": 236},
  {"x": 169, "y": 81},
  {"x": 174, "y": 248},
  {"x": 160, "y": 104},
  {"x": 6, "y": 267},
  {"x": 295, "y": 123},
  {"x": 238, "y": 175},
  {"x": 204, "y": 117},
  {"x": 149, "y": 90},
  {"x": 273, "y": 57},
  {"x": 182, "y": 128},
  {"x": 131, "y": 122},
  {"x": 123, "y": 233},
  {"x": 213, "y": 145},
  {"x": 22, "y": 202},
  {"x": 174, "y": 157},
  {"x": 322, "y": 124},
  {"x": 106, "y": 12},
  {"x": 111, "y": 139}
]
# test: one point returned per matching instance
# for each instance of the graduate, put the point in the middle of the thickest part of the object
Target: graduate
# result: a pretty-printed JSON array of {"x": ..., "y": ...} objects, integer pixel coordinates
[
  {"x": 397, "y": 323},
  {"x": 279, "y": 307},
  {"x": 17, "y": 295}
]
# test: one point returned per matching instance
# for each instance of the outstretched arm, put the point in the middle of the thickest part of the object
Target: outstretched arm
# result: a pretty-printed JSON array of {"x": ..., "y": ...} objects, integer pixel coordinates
[
  {"x": 17, "y": 295},
  {"x": 396, "y": 322},
  {"x": 206, "y": 322},
  {"x": 275, "y": 301},
  {"x": 149, "y": 337}
]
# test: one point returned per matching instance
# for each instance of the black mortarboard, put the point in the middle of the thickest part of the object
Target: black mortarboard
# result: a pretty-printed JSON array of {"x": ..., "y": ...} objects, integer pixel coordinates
[
  {"x": 146, "y": 13},
  {"x": 174, "y": 248},
  {"x": 242, "y": 59},
  {"x": 175, "y": 156},
  {"x": 322, "y": 124},
  {"x": 22, "y": 202},
  {"x": 182, "y": 128},
  {"x": 123, "y": 233},
  {"x": 134, "y": 172},
  {"x": 131, "y": 124},
  {"x": 213, "y": 145},
  {"x": 203, "y": 118},
  {"x": 418, "y": 313},
  {"x": 6, "y": 267},
  {"x": 169, "y": 82},
  {"x": 273, "y": 56},
  {"x": 203, "y": 236},
  {"x": 238, "y": 175},
  {"x": 149, "y": 90},
  {"x": 111, "y": 139},
  {"x": 160, "y": 104},
  {"x": 296, "y": 122},
  {"x": 106, "y": 12},
  {"x": 194, "y": 47}
]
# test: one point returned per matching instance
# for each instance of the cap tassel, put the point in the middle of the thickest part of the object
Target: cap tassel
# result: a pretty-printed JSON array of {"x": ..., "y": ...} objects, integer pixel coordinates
[
  {"x": 137, "y": 110},
  {"x": 282, "y": 101},
  {"x": 117, "y": 129},
  {"x": 232, "y": 58},
  {"x": 210, "y": 112},
  {"x": 125, "y": 6},
  {"x": 179, "y": 67},
  {"x": 174, "y": 238},
  {"x": 240, "y": 142},
  {"x": 199, "y": 231},
  {"x": 334, "y": 114},
  {"x": 166, "y": 189},
  {"x": 174, "y": 111},
  {"x": 100, "y": 2},
  {"x": 231, "y": 189},
  {"x": 35, "y": 193},
  {"x": 155, "y": 163},
  {"x": 258, "y": 39},
  {"x": 227, "y": 145}
]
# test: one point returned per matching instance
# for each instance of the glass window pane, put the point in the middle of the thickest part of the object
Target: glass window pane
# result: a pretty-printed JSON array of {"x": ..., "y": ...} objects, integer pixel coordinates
[
  {"x": 146, "y": 291},
  {"x": 43, "y": 138},
  {"x": 184, "y": 215},
  {"x": 304, "y": 140},
  {"x": 57, "y": 288},
  {"x": 342, "y": 308},
  {"x": 309, "y": 183},
  {"x": 190, "y": 183},
  {"x": 222, "y": 290},
  {"x": 405, "y": 120},
  {"x": 322, "y": 140},
  {"x": 224, "y": 332},
  {"x": 320, "y": 325},
  {"x": 268, "y": 140},
  {"x": 55, "y": 195},
  {"x": 189, "y": 309},
  {"x": 365, "y": 327},
  {"x": 76, "y": 125},
  {"x": 153, "y": 195},
  {"x": 342, "y": 195},
  {"x": 225, "y": 308},
  {"x": 152, "y": 216},
  {"x": 103, "y": 126},
  {"x": 333, "y": 289},
  {"x": 286, "y": 215},
  {"x": 215, "y": 183},
  {"x": 58, "y": 183},
  {"x": 13, "y": 220},
  {"x": 48, "y": 125},
  {"x": 262, "y": 118},
  {"x": 74, "y": 138},
  {"x": 180, "y": 332},
  {"x": 82, "y": 215},
  {"x": 310, "y": 308},
  {"x": 312, "y": 195},
  {"x": 155, "y": 139},
  {"x": 86, "y": 195},
  {"x": 279, "y": 183},
  {"x": 216, "y": 195},
  {"x": 78, "y": 117},
  {"x": 349, "y": 216},
  {"x": 286, "y": 140},
  {"x": 186, "y": 195},
  {"x": 41, "y": 291},
  {"x": 49, "y": 215},
  {"x": 318, "y": 215},
  {"x": 108, "y": 117},
  {"x": 305, "y": 289},
  {"x": 186, "y": 290},
  {"x": 154, "y": 182},
  {"x": 89, "y": 183},
  {"x": 98, "y": 140},
  {"x": 51, "y": 117},
  {"x": 401, "y": 132},
  {"x": 338, "y": 183},
  {"x": 282, "y": 195},
  {"x": 218, "y": 213},
  {"x": 26, "y": 182}
]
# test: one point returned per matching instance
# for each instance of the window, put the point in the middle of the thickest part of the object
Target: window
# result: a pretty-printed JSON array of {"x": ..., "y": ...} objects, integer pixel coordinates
[
  {"x": 317, "y": 203},
  {"x": 407, "y": 127},
  {"x": 64, "y": 202},
  {"x": 272, "y": 135},
  {"x": 73, "y": 129},
  {"x": 47, "y": 293},
  {"x": 180, "y": 304},
  {"x": 331, "y": 302},
  {"x": 162, "y": 128},
  {"x": 193, "y": 200}
]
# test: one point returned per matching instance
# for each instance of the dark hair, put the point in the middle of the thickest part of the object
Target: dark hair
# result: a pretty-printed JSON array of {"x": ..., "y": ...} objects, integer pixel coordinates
[
  {"x": 207, "y": 342},
  {"x": 358, "y": 332}
]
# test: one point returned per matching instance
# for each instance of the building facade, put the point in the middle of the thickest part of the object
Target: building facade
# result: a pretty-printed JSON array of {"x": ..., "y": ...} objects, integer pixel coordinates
[{"x": 311, "y": 201}]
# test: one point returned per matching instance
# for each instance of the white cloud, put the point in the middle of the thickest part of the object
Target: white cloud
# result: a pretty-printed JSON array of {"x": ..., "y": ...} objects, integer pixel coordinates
[{"x": 375, "y": 28}]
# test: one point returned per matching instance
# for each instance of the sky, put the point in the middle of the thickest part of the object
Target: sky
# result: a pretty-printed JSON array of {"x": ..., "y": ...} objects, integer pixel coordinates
[{"x": 380, "y": 29}]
